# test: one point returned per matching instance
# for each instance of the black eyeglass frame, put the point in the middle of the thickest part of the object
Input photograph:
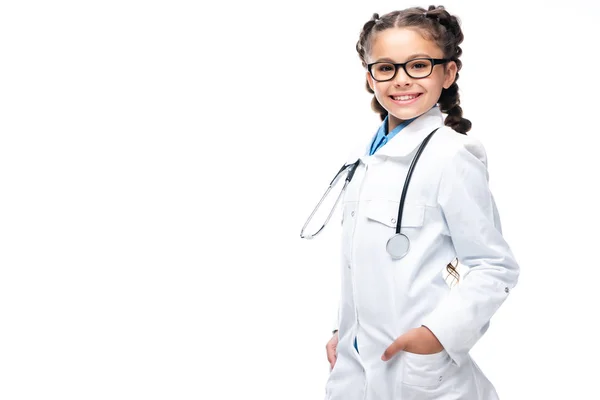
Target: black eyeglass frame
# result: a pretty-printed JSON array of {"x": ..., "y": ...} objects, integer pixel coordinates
[{"x": 434, "y": 62}]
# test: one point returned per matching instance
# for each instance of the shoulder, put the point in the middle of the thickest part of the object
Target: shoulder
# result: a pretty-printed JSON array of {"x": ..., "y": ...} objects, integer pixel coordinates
[{"x": 460, "y": 147}]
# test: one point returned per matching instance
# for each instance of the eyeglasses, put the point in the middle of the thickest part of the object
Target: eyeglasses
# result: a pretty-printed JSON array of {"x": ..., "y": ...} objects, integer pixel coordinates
[{"x": 417, "y": 68}]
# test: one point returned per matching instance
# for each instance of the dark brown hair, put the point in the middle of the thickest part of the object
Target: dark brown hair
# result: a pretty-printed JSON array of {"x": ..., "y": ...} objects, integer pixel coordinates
[
  {"x": 435, "y": 24},
  {"x": 452, "y": 271}
]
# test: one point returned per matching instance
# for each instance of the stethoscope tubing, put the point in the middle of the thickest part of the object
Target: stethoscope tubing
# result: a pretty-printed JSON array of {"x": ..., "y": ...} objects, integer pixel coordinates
[
  {"x": 408, "y": 177},
  {"x": 351, "y": 170}
]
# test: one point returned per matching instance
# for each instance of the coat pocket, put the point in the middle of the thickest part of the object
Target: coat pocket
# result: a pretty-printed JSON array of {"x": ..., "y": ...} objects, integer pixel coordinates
[
  {"x": 386, "y": 212},
  {"x": 426, "y": 370}
]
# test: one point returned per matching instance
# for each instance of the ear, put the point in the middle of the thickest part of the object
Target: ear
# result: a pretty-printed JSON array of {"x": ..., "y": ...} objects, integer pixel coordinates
[
  {"x": 450, "y": 74},
  {"x": 370, "y": 81}
]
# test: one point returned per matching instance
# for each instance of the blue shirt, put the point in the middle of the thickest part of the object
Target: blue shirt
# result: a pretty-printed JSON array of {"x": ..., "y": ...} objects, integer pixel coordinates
[{"x": 381, "y": 138}]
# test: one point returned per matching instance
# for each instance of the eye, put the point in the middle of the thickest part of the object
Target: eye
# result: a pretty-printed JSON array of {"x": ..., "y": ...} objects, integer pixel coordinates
[{"x": 385, "y": 67}]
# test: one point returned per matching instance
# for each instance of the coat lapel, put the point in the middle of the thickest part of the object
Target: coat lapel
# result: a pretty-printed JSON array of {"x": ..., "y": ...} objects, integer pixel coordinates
[
  {"x": 406, "y": 140},
  {"x": 413, "y": 134}
]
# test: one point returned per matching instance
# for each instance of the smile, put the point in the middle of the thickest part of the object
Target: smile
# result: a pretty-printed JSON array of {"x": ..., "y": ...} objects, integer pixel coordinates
[{"x": 405, "y": 97}]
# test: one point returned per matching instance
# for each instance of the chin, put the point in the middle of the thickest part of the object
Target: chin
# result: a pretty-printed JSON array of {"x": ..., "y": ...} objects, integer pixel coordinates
[{"x": 406, "y": 114}]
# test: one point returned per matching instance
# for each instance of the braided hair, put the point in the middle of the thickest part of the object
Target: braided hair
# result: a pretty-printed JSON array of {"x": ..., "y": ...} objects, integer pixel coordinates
[{"x": 437, "y": 25}]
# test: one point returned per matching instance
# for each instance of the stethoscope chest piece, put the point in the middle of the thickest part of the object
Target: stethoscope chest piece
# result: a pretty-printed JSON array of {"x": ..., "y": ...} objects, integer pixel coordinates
[{"x": 397, "y": 246}]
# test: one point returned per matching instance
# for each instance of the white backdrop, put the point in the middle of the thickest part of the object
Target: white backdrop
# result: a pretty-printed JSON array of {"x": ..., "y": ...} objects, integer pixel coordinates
[{"x": 158, "y": 159}]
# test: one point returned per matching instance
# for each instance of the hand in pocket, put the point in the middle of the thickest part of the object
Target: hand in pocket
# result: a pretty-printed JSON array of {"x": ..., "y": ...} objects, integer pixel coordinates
[
  {"x": 418, "y": 340},
  {"x": 331, "y": 348}
]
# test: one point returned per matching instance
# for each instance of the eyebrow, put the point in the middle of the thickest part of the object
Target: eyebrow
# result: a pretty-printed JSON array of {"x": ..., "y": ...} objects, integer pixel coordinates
[{"x": 409, "y": 57}]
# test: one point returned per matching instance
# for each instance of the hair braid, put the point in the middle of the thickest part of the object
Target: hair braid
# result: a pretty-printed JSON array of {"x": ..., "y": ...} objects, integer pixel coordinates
[{"x": 449, "y": 99}]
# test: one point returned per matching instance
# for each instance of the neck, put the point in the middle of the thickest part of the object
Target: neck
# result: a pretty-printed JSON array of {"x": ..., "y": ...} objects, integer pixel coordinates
[{"x": 392, "y": 123}]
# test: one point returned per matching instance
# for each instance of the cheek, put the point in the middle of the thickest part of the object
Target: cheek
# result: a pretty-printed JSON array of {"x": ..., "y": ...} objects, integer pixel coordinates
[
  {"x": 381, "y": 90},
  {"x": 436, "y": 91},
  {"x": 435, "y": 86}
]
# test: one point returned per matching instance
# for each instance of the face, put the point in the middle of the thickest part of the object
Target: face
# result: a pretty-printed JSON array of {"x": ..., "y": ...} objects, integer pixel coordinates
[{"x": 399, "y": 45}]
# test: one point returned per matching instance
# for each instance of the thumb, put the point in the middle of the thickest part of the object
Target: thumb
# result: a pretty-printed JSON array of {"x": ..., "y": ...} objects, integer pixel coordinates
[{"x": 397, "y": 345}]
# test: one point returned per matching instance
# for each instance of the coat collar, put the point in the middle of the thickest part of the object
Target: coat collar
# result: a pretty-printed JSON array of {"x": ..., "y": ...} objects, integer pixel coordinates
[
  {"x": 406, "y": 140},
  {"x": 413, "y": 134}
]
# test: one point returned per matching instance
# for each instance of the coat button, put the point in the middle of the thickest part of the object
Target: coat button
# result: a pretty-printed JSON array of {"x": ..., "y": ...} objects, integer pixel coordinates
[
  {"x": 440, "y": 379},
  {"x": 506, "y": 289},
  {"x": 393, "y": 220},
  {"x": 352, "y": 213}
]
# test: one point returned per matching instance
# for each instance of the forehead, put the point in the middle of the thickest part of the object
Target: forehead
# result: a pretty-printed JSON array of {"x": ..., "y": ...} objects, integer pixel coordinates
[{"x": 401, "y": 44}]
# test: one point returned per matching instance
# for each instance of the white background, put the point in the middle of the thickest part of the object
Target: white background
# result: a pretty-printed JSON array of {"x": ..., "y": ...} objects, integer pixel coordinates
[{"x": 158, "y": 159}]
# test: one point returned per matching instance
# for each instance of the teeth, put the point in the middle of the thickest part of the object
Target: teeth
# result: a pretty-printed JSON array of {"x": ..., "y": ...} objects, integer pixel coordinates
[{"x": 403, "y": 98}]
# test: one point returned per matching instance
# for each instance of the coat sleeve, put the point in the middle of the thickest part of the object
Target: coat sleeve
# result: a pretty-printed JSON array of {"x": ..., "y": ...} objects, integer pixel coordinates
[{"x": 490, "y": 267}]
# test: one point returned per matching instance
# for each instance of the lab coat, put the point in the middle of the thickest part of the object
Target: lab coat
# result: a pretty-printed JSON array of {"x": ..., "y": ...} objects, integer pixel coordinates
[{"x": 449, "y": 212}]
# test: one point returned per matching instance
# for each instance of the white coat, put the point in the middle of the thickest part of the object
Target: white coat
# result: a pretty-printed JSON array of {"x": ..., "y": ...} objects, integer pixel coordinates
[{"x": 449, "y": 212}]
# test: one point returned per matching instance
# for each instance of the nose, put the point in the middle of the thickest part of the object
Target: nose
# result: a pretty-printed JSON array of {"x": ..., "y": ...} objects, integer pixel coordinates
[{"x": 401, "y": 78}]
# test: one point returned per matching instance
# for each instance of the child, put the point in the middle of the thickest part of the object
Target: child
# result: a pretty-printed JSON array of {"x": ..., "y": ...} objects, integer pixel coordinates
[{"x": 404, "y": 333}]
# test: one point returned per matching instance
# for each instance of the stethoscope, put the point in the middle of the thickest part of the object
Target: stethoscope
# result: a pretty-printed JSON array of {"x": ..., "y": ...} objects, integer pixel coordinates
[{"x": 398, "y": 245}]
